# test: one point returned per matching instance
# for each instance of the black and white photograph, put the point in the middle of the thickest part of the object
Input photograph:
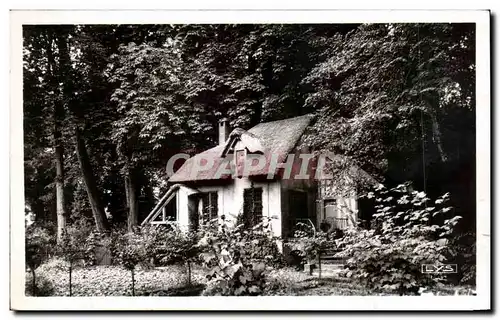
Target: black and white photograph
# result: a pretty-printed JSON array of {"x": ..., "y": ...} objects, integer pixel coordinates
[{"x": 328, "y": 161}]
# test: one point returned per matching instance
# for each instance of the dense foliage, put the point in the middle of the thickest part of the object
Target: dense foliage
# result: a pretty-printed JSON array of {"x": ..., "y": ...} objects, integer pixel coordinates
[
  {"x": 397, "y": 99},
  {"x": 310, "y": 246},
  {"x": 177, "y": 246},
  {"x": 76, "y": 248},
  {"x": 39, "y": 244},
  {"x": 237, "y": 258},
  {"x": 408, "y": 231},
  {"x": 131, "y": 251}
]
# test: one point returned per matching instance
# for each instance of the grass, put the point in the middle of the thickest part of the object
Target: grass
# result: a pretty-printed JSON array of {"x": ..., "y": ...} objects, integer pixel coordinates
[{"x": 288, "y": 282}]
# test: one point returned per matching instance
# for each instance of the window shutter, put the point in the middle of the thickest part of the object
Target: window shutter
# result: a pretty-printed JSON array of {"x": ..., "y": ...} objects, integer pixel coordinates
[{"x": 213, "y": 205}]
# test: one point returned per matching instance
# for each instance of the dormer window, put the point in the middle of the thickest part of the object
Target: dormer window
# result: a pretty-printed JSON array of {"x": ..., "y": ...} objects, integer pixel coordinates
[{"x": 247, "y": 140}]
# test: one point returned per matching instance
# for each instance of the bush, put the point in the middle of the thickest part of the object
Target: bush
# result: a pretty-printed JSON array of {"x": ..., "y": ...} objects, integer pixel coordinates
[
  {"x": 131, "y": 250},
  {"x": 39, "y": 243},
  {"x": 407, "y": 231},
  {"x": 43, "y": 286},
  {"x": 55, "y": 264},
  {"x": 464, "y": 255},
  {"x": 234, "y": 256},
  {"x": 154, "y": 236},
  {"x": 178, "y": 247},
  {"x": 308, "y": 246},
  {"x": 76, "y": 248}
]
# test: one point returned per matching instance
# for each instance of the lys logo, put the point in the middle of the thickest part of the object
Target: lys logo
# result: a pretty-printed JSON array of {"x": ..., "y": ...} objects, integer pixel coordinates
[{"x": 439, "y": 268}]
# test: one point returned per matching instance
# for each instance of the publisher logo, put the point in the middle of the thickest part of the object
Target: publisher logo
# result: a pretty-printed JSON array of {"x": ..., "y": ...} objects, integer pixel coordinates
[{"x": 439, "y": 268}]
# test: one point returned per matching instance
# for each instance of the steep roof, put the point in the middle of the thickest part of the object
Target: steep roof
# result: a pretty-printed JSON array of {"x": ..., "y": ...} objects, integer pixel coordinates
[{"x": 276, "y": 138}]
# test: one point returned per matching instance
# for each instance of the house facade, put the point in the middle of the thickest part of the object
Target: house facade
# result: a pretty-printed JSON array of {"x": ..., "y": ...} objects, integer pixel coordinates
[{"x": 253, "y": 174}]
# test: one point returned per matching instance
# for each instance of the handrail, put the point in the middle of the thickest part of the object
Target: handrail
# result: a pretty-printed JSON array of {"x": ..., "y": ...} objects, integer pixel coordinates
[
  {"x": 163, "y": 201},
  {"x": 308, "y": 222}
]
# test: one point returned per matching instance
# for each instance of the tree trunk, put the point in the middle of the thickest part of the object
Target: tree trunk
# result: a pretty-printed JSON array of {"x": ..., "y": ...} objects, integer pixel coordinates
[
  {"x": 90, "y": 184},
  {"x": 33, "y": 283},
  {"x": 70, "y": 279},
  {"x": 60, "y": 201},
  {"x": 133, "y": 283},
  {"x": 57, "y": 117},
  {"x": 132, "y": 201},
  {"x": 189, "y": 272},
  {"x": 436, "y": 136},
  {"x": 127, "y": 204}
]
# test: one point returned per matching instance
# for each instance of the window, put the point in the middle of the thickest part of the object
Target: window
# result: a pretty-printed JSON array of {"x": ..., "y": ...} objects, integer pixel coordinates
[
  {"x": 333, "y": 217},
  {"x": 209, "y": 206},
  {"x": 252, "y": 206},
  {"x": 330, "y": 209}
]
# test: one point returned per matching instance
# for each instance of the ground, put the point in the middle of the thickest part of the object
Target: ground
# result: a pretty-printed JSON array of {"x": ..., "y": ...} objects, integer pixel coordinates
[{"x": 172, "y": 280}]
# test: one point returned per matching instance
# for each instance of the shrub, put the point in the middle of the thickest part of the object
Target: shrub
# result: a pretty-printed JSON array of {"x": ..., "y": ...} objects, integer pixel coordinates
[
  {"x": 76, "y": 249},
  {"x": 407, "y": 231},
  {"x": 55, "y": 264},
  {"x": 235, "y": 259},
  {"x": 155, "y": 236},
  {"x": 42, "y": 287},
  {"x": 308, "y": 245},
  {"x": 464, "y": 255},
  {"x": 131, "y": 250},
  {"x": 38, "y": 243},
  {"x": 179, "y": 247}
]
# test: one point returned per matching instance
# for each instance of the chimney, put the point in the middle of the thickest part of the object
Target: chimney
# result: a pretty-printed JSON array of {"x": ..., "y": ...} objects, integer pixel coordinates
[{"x": 223, "y": 130}]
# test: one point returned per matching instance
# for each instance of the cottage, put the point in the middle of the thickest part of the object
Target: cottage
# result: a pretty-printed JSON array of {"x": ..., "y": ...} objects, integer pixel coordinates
[{"x": 255, "y": 173}]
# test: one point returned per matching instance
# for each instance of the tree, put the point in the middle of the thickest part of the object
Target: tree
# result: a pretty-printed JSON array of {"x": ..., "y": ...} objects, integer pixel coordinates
[
  {"x": 150, "y": 126},
  {"x": 249, "y": 73},
  {"x": 38, "y": 245},
  {"x": 178, "y": 246},
  {"x": 48, "y": 74},
  {"x": 398, "y": 99},
  {"x": 131, "y": 251},
  {"x": 75, "y": 246},
  {"x": 106, "y": 106},
  {"x": 67, "y": 95}
]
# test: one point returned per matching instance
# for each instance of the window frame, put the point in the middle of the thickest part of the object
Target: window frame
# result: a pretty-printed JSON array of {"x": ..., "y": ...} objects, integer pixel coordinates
[{"x": 213, "y": 206}]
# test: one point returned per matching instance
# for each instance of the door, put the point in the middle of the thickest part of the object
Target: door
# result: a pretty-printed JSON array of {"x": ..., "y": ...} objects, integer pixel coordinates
[
  {"x": 299, "y": 214},
  {"x": 298, "y": 204}
]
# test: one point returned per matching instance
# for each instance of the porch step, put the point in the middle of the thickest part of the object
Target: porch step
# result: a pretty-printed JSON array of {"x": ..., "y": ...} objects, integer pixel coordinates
[
  {"x": 330, "y": 257},
  {"x": 333, "y": 261},
  {"x": 324, "y": 266},
  {"x": 331, "y": 266}
]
